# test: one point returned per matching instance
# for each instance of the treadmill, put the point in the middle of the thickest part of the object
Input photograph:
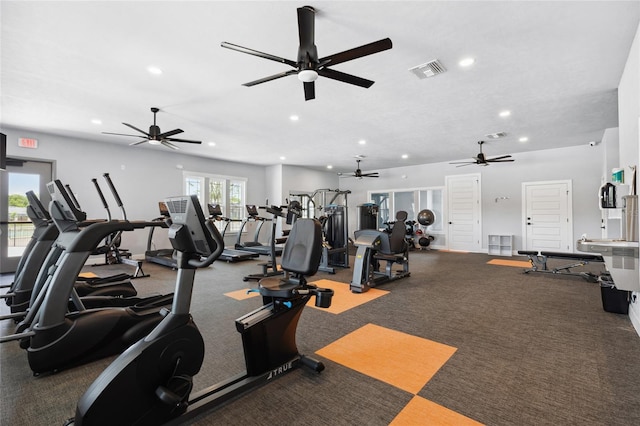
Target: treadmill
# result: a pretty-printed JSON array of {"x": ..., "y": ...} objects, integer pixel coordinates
[
  {"x": 256, "y": 246},
  {"x": 162, "y": 257},
  {"x": 229, "y": 254}
]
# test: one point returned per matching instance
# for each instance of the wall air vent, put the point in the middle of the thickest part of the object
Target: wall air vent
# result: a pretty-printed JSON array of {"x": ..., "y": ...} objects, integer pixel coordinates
[
  {"x": 496, "y": 135},
  {"x": 429, "y": 69}
]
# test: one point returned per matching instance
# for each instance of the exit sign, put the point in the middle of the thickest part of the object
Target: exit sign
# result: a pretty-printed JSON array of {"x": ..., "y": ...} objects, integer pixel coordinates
[{"x": 28, "y": 143}]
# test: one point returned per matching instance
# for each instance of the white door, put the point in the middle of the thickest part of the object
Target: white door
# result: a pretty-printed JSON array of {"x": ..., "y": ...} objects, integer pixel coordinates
[
  {"x": 15, "y": 227},
  {"x": 548, "y": 216},
  {"x": 463, "y": 212}
]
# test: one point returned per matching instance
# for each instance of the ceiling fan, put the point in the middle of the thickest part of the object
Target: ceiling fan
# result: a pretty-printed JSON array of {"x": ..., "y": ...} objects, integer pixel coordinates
[
  {"x": 155, "y": 137},
  {"x": 482, "y": 160},
  {"x": 358, "y": 173},
  {"x": 308, "y": 66}
]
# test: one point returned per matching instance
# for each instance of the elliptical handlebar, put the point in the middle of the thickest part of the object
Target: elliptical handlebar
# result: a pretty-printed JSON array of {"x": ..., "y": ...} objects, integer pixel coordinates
[
  {"x": 115, "y": 194},
  {"x": 72, "y": 196},
  {"x": 104, "y": 201},
  {"x": 217, "y": 238}
]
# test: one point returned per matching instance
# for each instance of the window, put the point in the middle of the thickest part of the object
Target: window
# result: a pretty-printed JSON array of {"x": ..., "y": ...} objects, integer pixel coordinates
[
  {"x": 229, "y": 192},
  {"x": 383, "y": 201},
  {"x": 432, "y": 199},
  {"x": 390, "y": 202}
]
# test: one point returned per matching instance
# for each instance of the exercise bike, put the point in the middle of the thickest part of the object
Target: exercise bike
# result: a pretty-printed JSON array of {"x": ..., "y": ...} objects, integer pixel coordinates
[{"x": 151, "y": 382}]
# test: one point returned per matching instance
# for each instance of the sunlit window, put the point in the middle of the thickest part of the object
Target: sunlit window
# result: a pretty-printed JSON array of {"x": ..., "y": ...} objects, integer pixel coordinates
[{"x": 229, "y": 192}]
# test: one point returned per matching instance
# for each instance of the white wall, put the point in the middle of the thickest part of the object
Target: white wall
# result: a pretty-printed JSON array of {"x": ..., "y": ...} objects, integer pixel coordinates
[
  {"x": 629, "y": 105},
  {"x": 299, "y": 179},
  {"x": 629, "y": 119}
]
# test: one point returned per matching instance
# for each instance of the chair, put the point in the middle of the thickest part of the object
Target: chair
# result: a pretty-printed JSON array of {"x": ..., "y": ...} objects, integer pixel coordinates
[
  {"x": 300, "y": 259},
  {"x": 394, "y": 248},
  {"x": 397, "y": 241}
]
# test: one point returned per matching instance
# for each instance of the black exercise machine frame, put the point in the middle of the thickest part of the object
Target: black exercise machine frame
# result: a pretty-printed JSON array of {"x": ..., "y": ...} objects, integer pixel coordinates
[{"x": 539, "y": 263}]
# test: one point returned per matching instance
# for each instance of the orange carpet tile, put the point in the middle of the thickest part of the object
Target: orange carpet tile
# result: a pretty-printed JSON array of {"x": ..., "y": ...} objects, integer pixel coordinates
[
  {"x": 399, "y": 359},
  {"x": 420, "y": 411}
]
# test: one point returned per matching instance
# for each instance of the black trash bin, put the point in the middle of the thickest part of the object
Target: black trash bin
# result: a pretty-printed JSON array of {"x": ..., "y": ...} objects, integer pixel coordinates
[{"x": 614, "y": 300}]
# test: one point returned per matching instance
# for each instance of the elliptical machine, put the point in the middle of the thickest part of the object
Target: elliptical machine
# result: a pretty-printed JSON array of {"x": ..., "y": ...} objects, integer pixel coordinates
[{"x": 151, "y": 382}]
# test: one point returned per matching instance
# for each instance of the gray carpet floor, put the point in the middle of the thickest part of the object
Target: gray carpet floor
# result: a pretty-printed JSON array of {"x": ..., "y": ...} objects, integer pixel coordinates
[{"x": 532, "y": 349}]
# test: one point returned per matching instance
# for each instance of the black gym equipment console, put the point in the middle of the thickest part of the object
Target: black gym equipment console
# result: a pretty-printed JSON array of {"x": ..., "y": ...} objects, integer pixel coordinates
[{"x": 150, "y": 383}]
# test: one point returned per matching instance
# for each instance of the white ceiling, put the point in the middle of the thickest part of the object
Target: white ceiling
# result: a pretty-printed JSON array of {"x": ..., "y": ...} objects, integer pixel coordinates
[{"x": 555, "y": 65}]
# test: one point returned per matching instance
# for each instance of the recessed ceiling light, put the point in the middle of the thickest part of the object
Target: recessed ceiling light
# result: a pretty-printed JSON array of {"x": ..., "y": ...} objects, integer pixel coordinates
[
  {"x": 405, "y": 156},
  {"x": 96, "y": 121},
  {"x": 283, "y": 158},
  {"x": 329, "y": 166},
  {"x": 523, "y": 139},
  {"x": 154, "y": 70},
  {"x": 212, "y": 144},
  {"x": 505, "y": 113},
  {"x": 294, "y": 118},
  {"x": 362, "y": 142},
  {"x": 466, "y": 62}
]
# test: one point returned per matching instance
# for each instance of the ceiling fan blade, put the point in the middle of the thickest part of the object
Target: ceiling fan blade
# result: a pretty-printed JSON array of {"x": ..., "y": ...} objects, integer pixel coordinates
[
  {"x": 345, "y": 78},
  {"x": 169, "y": 145},
  {"x": 306, "y": 28},
  {"x": 358, "y": 52},
  {"x": 499, "y": 161},
  {"x": 498, "y": 158},
  {"x": 139, "y": 142},
  {"x": 181, "y": 140},
  {"x": 309, "y": 91},
  {"x": 136, "y": 129},
  {"x": 373, "y": 175},
  {"x": 258, "y": 53},
  {"x": 169, "y": 133},
  {"x": 271, "y": 77},
  {"x": 464, "y": 164},
  {"x": 120, "y": 134}
]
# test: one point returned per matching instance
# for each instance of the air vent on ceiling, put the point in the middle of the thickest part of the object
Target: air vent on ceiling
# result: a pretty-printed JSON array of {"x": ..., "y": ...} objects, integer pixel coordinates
[
  {"x": 496, "y": 135},
  {"x": 429, "y": 69}
]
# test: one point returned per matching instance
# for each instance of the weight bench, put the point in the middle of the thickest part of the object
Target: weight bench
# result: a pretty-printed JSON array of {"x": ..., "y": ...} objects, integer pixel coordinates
[{"x": 539, "y": 260}]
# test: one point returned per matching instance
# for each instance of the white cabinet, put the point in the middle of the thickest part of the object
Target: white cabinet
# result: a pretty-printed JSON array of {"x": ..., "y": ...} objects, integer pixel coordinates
[{"x": 500, "y": 245}]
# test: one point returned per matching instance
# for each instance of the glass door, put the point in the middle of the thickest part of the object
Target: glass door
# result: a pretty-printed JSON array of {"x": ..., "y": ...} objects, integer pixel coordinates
[{"x": 15, "y": 227}]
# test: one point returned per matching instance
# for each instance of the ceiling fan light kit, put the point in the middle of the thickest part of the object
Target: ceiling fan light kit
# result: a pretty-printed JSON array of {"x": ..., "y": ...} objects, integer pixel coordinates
[{"x": 307, "y": 76}]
